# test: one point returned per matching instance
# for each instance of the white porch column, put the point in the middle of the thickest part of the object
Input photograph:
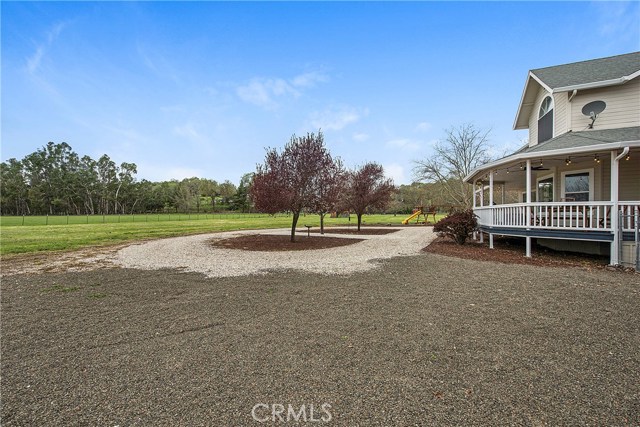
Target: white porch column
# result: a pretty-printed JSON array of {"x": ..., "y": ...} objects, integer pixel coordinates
[
  {"x": 613, "y": 259},
  {"x": 491, "y": 188},
  {"x": 528, "y": 185},
  {"x": 528, "y": 209},
  {"x": 491, "y": 204},
  {"x": 475, "y": 192},
  {"x": 481, "y": 204}
]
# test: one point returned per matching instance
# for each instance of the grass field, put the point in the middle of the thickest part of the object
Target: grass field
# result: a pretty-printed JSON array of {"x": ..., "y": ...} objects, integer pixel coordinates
[
  {"x": 116, "y": 219},
  {"x": 35, "y": 236}
]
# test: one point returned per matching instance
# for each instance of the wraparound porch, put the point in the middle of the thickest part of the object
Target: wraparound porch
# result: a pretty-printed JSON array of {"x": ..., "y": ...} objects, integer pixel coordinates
[{"x": 587, "y": 221}]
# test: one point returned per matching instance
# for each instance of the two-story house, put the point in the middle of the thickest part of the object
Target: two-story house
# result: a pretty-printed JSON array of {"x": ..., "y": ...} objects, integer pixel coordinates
[{"x": 579, "y": 175}]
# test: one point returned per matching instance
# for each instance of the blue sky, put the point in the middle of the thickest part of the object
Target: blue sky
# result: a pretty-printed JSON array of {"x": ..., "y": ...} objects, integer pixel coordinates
[{"x": 201, "y": 88}]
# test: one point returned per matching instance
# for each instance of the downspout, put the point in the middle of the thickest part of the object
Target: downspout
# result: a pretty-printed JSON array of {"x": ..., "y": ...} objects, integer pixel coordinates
[
  {"x": 615, "y": 175},
  {"x": 574, "y": 93},
  {"x": 625, "y": 151}
]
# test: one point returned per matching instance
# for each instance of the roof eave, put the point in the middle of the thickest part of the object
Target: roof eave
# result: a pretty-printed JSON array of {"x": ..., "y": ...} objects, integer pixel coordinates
[
  {"x": 553, "y": 153},
  {"x": 595, "y": 85},
  {"x": 516, "y": 124}
]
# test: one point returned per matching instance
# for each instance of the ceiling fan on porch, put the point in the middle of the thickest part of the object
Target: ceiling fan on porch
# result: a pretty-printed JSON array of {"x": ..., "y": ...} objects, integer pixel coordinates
[{"x": 539, "y": 167}]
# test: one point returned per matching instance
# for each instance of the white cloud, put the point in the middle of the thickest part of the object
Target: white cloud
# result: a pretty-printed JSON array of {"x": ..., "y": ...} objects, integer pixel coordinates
[
  {"x": 126, "y": 133},
  {"x": 360, "y": 137},
  {"x": 189, "y": 131},
  {"x": 617, "y": 19},
  {"x": 423, "y": 126},
  {"x": 265, "y": 92},
  {"x": 336, "y": 118},
  {"x": 157, "y": 63},
  {"x": 404, "y": 144},
  {"x": 262, "y": 92},
  {"x": 34, "y": 61},
  {"x": 309, "y": 79},
  {"x": 395, "y": 172},
  {"x": 172, "y": 109}
]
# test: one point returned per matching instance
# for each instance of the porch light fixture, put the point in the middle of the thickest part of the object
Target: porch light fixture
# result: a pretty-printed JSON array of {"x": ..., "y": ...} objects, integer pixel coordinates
[
  {"x": 521, "y": 166},
  {"x": 596, "y": 158},
  {"x": 507, "y": 170},
  {"x": 628, "y": 156},
  {"x": 541, "y": 164},
  {"x": 567, "y": 161}
]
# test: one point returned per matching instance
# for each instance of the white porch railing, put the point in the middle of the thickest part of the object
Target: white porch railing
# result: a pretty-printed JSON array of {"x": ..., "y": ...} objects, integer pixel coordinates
[{"x": 584, "y": 216}]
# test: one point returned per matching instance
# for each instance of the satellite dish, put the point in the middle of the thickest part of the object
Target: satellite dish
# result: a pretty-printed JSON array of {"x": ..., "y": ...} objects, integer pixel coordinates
[
  {"x": 595, "y": 107},
  {"x": 592, "y": 110}
]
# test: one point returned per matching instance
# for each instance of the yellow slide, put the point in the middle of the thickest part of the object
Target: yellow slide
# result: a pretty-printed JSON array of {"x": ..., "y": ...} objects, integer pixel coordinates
[{"x": 415, "y": 214}]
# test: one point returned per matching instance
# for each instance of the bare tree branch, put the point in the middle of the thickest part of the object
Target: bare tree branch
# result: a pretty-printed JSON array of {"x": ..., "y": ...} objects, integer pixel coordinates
[{"x": 464, "y": 149}]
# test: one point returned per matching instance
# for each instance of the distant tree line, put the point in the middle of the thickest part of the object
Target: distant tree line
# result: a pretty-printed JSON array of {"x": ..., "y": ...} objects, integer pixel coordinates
[
  {"x": 55, "y": 180},
  {"x": 302, "y": 178}
]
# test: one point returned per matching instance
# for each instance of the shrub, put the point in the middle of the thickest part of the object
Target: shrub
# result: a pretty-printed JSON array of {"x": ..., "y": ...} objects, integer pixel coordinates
[{"x": 457, "y": 225}]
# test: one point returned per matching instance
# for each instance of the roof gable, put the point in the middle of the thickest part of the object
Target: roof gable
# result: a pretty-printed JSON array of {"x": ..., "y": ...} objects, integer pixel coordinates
[{"x": 614, "y": 70}]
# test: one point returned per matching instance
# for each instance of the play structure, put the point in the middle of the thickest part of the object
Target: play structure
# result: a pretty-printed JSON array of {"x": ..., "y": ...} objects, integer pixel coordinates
[{"x": 420, "y": 211}]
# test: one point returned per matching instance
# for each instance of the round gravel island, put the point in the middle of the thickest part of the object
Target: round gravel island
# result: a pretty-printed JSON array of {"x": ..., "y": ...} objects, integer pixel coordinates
[{"x": 203, "y": 254}]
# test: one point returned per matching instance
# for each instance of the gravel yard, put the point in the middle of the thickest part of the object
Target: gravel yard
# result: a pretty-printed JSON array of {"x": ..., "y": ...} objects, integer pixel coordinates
[{"x": 420, "y": 340}]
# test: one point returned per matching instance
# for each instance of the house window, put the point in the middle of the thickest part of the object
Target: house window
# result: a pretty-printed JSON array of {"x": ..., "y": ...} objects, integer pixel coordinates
[
  {"x": 545, "y": 189},
  {"x": 545, "y": 120},
  {"x": 577, "y": 186}
]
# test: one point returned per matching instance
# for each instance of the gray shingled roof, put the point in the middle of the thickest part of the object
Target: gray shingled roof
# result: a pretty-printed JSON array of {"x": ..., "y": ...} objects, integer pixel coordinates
[
  {"x": 586, "y": 138},
  {"x": 595, "y": 70},
  {"x": 577, "y": 140}
]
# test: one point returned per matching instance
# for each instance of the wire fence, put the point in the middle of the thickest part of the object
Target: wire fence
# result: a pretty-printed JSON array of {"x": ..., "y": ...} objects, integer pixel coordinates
[
  {"x": 631, "y": 252},
  {"x": 28, "y": 220}
]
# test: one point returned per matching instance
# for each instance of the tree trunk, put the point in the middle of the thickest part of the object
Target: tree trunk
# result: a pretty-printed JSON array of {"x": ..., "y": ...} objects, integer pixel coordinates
[
  {"x": 296, "y": 215},
  {"x": 359, "y": 220},
  {"x": 322, "y": 214}
]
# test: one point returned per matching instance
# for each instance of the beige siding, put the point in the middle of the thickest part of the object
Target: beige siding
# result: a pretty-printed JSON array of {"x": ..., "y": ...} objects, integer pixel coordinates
[
  {"x": 629, "y": 181},
  {"x": 630, "y": 177},
  {"x": 623, "y": 107},
  {"x": 560, "y": 111},
  {"x": 533, "y": 120},
  {"x": 605, "y": 182}
]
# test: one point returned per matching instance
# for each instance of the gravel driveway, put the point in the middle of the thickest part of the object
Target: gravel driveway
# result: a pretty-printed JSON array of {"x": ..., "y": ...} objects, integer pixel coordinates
[
  {"x": 420, "y": 340},
  {"x": 195, "y": 253}
]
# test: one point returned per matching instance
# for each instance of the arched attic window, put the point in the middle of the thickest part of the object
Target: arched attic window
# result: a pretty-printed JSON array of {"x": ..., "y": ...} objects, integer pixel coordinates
[{"x": 545, "y": 120}]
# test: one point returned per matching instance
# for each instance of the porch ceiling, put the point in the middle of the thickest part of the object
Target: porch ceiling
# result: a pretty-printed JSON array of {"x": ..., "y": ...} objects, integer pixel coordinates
[{"x": 513, "y": 174}]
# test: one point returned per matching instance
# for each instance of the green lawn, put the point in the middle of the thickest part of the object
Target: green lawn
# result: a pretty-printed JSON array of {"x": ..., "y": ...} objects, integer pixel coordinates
[{"x": 35, "y": 236}]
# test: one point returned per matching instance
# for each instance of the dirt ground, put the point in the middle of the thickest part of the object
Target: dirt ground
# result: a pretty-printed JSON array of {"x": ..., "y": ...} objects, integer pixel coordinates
[
  {"x": 304, "y": 240},
  {"x": 96, "y": 257},
  {"x": 423, "y": 340},
  {"x": 509, "y": 250},
  {"x": 364, "y": 231},
  {"x": 265, "y": 242}
]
